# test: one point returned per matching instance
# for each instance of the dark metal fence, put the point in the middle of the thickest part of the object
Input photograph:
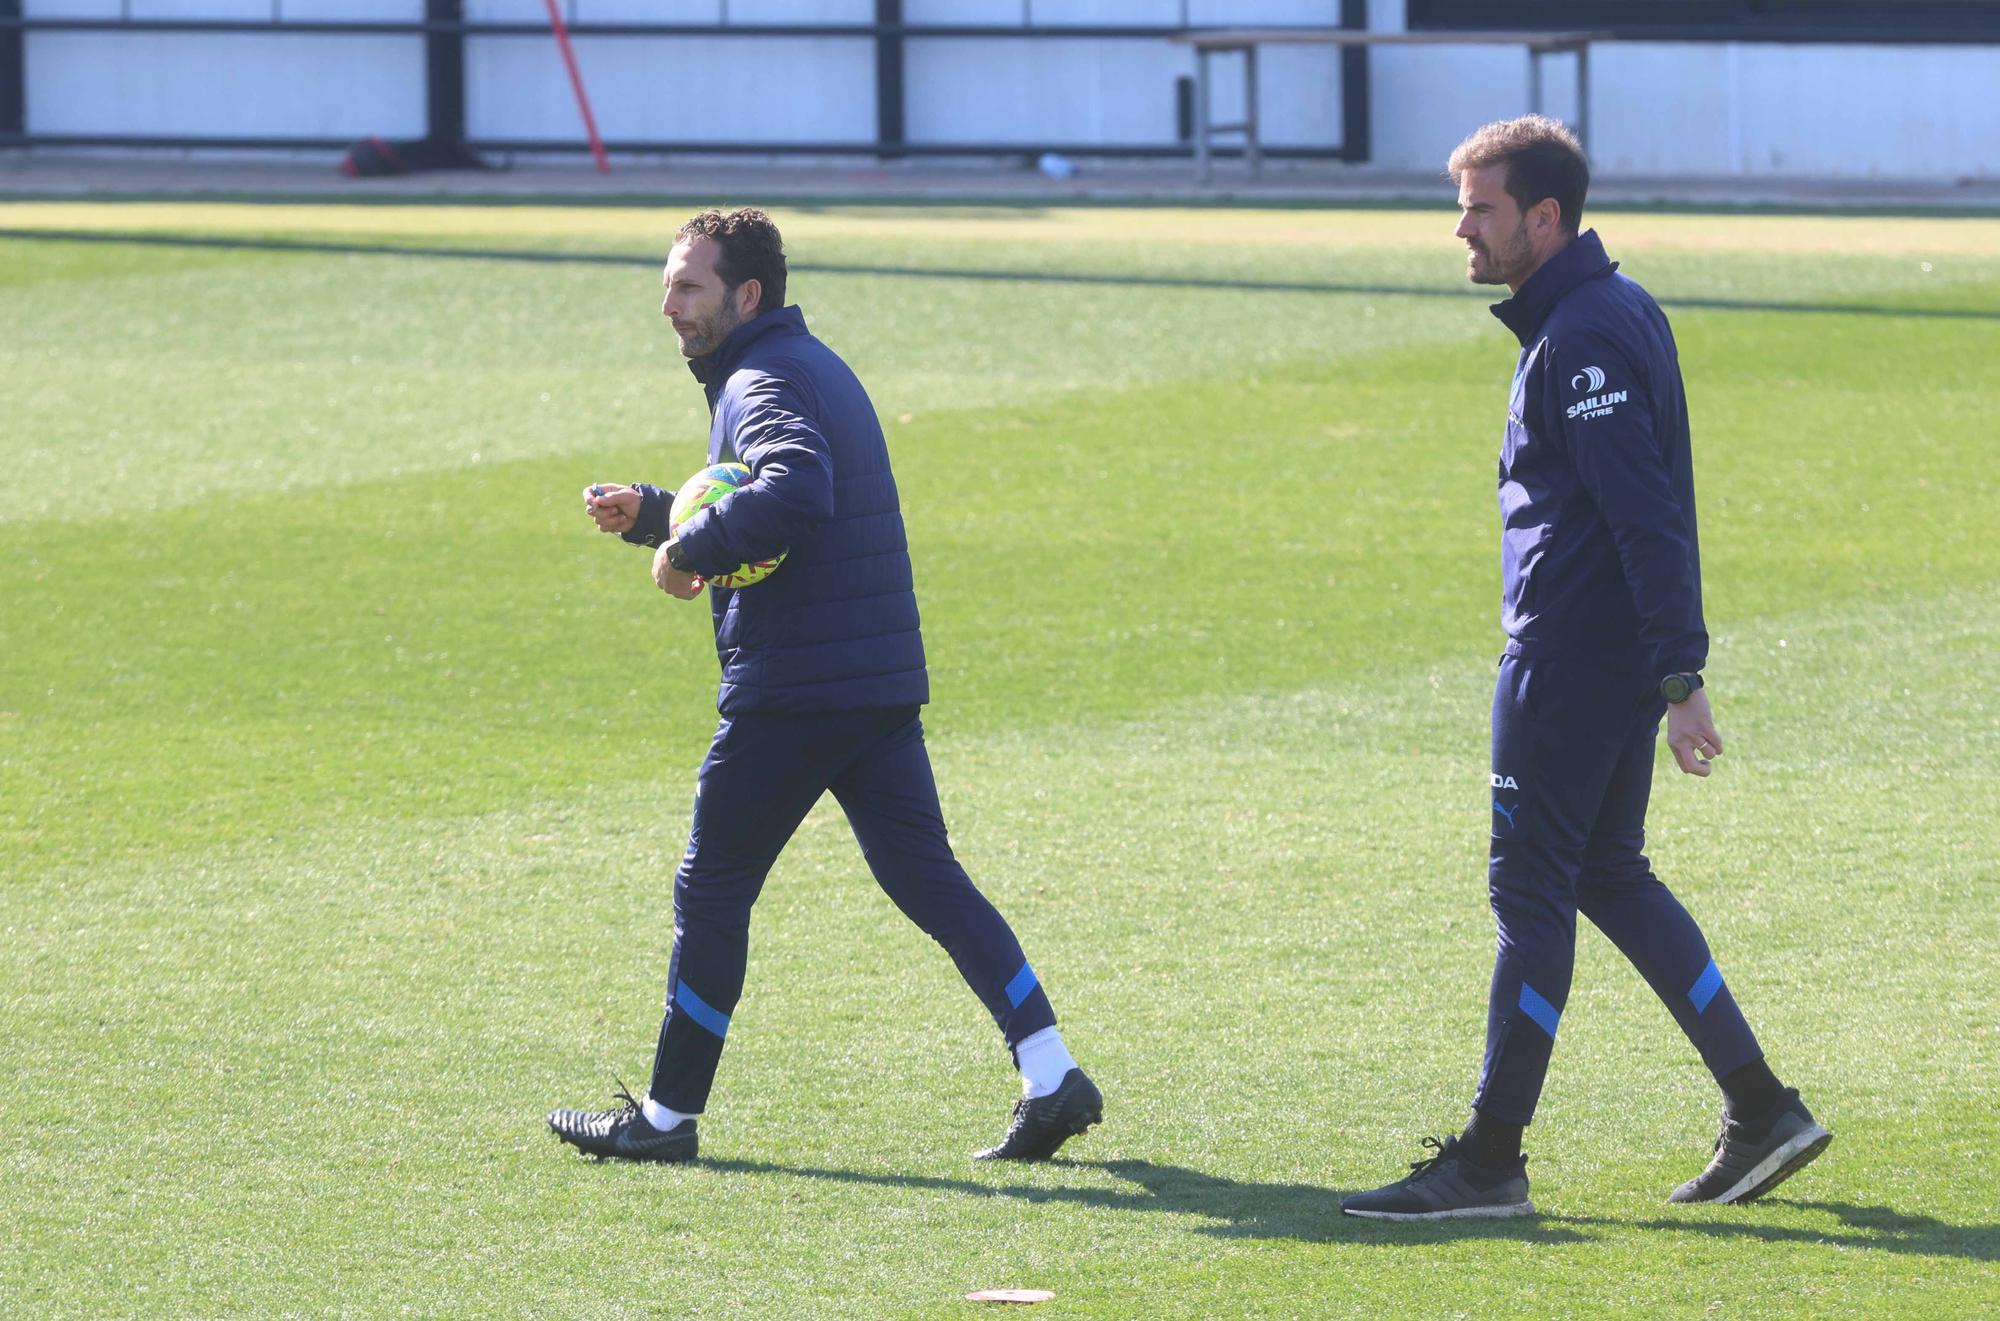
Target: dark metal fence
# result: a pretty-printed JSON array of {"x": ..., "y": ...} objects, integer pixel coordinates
[{"x": 1872, "y": 22}]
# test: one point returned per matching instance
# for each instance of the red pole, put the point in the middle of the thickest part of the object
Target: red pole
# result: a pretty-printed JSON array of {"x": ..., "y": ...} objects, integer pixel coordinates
[{"x": 576, "y": 82}]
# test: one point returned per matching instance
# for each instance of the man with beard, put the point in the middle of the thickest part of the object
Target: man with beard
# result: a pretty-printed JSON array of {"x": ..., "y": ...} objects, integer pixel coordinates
[
  {"x": 1602, "y": 605},
  {"x": 822, "y": 679}
]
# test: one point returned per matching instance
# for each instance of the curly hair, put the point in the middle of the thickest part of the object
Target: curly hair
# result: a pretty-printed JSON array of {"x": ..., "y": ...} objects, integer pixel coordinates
[
  {"x": 751, "y": 249},
  {"x": 1542, "y": 158}
]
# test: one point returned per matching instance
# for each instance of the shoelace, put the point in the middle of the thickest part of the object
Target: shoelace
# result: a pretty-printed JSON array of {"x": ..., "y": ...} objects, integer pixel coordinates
[
  {"x": 1420, "y": 1169},
  {"x": 605, "y": 1121}
]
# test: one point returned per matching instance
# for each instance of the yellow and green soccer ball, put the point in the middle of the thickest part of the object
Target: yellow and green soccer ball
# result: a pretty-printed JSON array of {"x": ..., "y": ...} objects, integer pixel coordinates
[{"x": 704, "y": 489}]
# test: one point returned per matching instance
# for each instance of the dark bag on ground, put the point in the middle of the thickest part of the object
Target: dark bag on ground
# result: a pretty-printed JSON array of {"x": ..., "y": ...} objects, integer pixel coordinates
[{"x": 374, "y": 157}]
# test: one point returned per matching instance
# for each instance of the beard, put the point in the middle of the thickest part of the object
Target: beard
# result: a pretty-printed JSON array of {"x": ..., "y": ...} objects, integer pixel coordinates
[
  {"x": 1500, "y": 265},
  {"x": 705, "y": 334}
]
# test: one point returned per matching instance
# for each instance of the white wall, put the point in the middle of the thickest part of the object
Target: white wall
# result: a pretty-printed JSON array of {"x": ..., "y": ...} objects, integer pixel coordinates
[
  {"x": 1748, "y": 110},
  {"x": 235, "y": 84},
  {"x": 648, "y": 89},
  {"x": 1080, "y": 92}
]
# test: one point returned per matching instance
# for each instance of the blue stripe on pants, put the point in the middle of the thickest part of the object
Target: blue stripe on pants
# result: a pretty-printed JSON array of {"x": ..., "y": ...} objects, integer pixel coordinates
[
  {"x": 1024, "y": 982},
  {"x": 1545, "y": 1014},
  {"x": 1705, "y": 986},
  {"x": 700, "y": 1010}
]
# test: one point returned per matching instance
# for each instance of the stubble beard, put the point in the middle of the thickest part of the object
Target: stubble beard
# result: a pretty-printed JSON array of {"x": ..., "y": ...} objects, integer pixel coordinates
[
  {"x": 709, "y": 333},
  {"x": 1501, "y": 266}
]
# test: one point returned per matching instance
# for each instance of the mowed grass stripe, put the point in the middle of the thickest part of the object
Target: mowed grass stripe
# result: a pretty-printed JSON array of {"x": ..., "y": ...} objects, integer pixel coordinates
[
  {"x": 369, "y": 368},
  {"x": 431, "y": 369},
  {"x": 408, "y": 644}
]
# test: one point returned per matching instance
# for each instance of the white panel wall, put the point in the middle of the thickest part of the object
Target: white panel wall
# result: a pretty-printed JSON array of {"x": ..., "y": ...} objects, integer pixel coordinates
[
  {"x": 223, "y": 85},
  {"x": 962, "y": 11},
  {"x": 1713, "y": 110},
  {"x": 1238, "y": 13},
  {"x": 689, "y": 89},
  {"x": 1105, "y": 91},
  {"x": 1298, "y": 96},
  {"x": 802, "y": 11},
  {"x": 1750, "y": 110},
  {"x": 1138, "y": 13},
  {"x": 674, "y": 11},
  {"x": 260, "y": 9},
  {"x": 1135, "y": 13},
  {"x": 1888, "y": 112},
  {"x": 595, "y": 11},
  {"x": 351, "y": 11},
  {"x": 1041, "y": 90}
]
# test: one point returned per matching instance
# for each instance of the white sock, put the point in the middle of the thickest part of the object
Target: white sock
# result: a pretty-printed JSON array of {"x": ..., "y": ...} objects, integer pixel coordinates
[
  {"x": 660, "y": 1117},
  {"x": 1044, "y": 1060}
]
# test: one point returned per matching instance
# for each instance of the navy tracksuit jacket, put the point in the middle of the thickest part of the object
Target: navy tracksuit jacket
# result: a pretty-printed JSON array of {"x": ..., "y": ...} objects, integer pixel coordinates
[
  {"x": 1602, "y": 599},
  {"x": 822, "y": 677}
]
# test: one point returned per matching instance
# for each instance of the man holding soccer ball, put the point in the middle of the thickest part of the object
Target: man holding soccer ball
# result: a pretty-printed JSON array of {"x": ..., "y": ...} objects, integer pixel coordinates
[
  {"x": 1602, "y": 605},
  {"x": 822, "y": 680}
]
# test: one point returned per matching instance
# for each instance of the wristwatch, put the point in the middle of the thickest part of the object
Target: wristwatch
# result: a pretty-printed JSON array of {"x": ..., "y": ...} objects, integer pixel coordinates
[
  {"x": 678, "y": 558},
  {"x": 1677, "y": 688}
]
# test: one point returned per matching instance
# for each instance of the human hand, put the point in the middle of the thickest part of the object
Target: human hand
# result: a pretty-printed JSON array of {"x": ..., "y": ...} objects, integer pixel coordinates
[
  {"x": 684, "y": 586},
  {"x": 1691, "y": 733},
  {"x": 614, "y": 508}
]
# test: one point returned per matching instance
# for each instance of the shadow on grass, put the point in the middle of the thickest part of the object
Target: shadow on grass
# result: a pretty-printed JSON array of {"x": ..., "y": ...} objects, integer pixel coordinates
[
  {"x": 1236, "y": 1209},
  {"x": 1309, "y": 1213},
  {"x": 1881, "y": 1228},
  {"x": 982, "y": 275}
]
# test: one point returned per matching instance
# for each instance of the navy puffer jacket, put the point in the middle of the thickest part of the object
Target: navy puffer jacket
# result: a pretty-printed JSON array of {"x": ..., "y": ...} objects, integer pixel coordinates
[
  {"x": 835, "y": 627},
  {"x": 1598, "y": 544}
]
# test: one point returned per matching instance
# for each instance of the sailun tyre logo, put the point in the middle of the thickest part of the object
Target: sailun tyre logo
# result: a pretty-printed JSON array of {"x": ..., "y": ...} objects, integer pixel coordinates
[{"x": 1598, "y": 401}]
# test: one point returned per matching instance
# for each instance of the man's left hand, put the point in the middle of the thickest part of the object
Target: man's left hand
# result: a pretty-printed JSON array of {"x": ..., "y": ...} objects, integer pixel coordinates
[
  {"x": 1691, "y": 733},
  {"x": 685, "y": 586}
]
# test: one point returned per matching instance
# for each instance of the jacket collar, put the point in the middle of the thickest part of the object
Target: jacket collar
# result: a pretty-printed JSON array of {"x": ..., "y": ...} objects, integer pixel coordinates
[
  {"x": 713, "y": 369},
  {"x": 1580, "y": 260}
]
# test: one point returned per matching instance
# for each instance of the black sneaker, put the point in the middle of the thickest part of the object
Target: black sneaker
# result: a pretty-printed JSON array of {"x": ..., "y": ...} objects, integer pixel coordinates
[
  {"x": 1447, "y": 1186},
  {"x": 624, "y": 1133},
  {"x": 1043, "y": 1123},
  {"x": 1752, "y": 1157}
]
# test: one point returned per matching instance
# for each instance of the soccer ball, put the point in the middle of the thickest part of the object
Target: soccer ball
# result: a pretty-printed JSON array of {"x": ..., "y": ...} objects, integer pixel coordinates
[{"x": 704, "y": 489}]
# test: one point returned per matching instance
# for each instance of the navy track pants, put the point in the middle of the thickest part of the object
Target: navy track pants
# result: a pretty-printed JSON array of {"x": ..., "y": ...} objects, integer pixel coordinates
[
  {"x": 763, "y": 773},
  {"x": 1572, "y": 771}
]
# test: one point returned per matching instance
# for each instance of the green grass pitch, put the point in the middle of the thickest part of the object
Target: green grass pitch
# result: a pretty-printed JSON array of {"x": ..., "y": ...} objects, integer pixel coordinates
[{"x": 343, "y": 772}]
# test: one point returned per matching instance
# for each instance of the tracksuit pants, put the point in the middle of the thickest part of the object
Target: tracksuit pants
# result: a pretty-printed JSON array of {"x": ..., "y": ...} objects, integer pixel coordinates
[
  {"x": 763, "y": 773},
  {"x": 1572, "y": 771}
]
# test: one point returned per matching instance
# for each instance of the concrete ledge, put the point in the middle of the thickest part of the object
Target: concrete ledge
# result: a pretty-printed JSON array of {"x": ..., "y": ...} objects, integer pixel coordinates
[{"x": 28, "y": 173}]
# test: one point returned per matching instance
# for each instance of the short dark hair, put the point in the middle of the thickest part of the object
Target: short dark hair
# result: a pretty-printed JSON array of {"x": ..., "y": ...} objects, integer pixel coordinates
[
  {"x": 751, "y": 249},
  {"x": 1543, "y": 159}
]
